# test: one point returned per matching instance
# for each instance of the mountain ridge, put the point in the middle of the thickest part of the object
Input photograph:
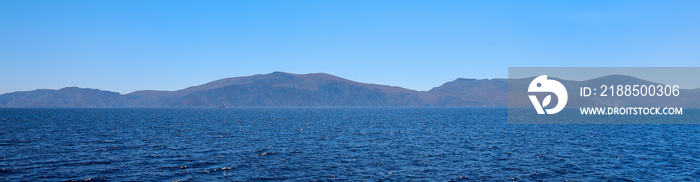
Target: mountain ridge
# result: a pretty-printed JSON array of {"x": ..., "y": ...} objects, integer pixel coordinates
[{"x": 289, "y": 89}]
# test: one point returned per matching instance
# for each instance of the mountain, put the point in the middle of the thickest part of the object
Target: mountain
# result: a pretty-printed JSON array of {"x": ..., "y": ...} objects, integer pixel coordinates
[
  {"x": 65, "y": 97},
  {"x": 283, "y": 89},
  {"x": 470, "y": 92},
  {"x": 321, "y": 89},
  {"x": 274, "y": 89}
]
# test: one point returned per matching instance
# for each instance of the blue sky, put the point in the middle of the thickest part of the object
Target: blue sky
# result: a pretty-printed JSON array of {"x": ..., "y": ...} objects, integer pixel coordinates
[{"x": 125, "y": 46}]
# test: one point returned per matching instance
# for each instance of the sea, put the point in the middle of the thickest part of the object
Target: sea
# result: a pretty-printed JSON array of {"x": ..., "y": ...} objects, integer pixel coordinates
[{"x": 334, "y": 144}]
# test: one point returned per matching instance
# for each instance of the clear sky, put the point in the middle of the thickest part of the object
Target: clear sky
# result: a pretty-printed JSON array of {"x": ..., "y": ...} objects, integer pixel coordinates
[{"x": 125, "y": 46}]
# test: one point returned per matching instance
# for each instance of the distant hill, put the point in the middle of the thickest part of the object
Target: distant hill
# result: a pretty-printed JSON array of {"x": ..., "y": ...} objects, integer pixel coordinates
[
  {"x": 65, "y": 97},
  {"x": 316, "y": 89},
  {"x": 282, "y": 89},
  {"x": 470, "y": 92}
]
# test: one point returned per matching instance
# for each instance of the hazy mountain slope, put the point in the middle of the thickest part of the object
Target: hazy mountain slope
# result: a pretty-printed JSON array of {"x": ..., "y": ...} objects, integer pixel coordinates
[
  {"x": 65, "y": 97},
  {"x": 285, "y": 89},
  {"x": 470, "y": 92},
  {"x": 23, "y": 98}
]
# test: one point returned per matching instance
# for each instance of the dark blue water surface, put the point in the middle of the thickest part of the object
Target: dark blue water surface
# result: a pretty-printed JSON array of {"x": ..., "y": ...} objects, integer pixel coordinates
[{"x": 253, "y": 144}]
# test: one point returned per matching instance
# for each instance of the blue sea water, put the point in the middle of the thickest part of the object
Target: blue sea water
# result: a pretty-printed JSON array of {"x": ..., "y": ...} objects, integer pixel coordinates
[{"x": 338, "y": 143}]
